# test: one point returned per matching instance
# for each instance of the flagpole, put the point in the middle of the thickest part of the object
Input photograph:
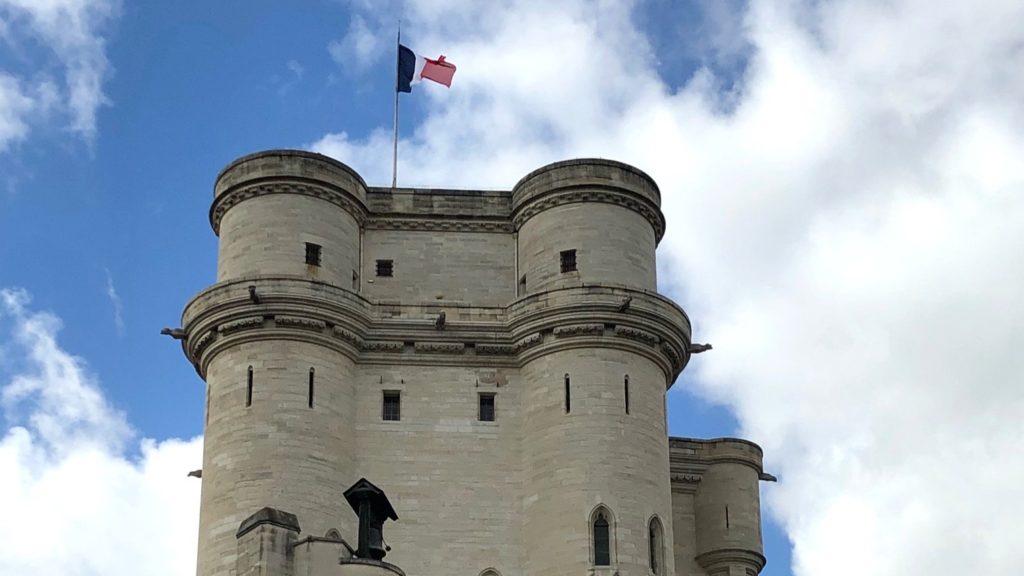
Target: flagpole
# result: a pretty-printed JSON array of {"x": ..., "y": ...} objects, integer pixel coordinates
[{"x": 394, "y": 156}]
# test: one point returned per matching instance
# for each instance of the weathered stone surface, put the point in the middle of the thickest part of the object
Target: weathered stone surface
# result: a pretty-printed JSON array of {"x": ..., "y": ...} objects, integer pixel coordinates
[{"x": 515, "y": 495}]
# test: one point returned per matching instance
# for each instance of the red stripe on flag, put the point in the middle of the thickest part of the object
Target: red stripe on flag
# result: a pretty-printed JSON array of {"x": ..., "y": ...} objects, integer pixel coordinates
[{"x": 439, "y": 71}]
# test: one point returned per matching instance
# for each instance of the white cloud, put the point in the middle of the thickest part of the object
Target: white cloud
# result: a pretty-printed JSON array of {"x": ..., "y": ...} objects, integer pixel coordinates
[
  {"x": 79, "y": 504},
  {"x": 70, "y": 30},
  {"x": 115, "y": 302},
  {"x": 360, "y": 47},
  {"x": 15, "y": 105},
  {"x": 847, "y": 234}
]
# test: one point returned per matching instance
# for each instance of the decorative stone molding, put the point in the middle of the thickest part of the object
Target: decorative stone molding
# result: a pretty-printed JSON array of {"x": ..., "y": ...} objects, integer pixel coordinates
[
  {"x": 383, "y": 346},
  {"x": 669, "y": 351},
  {"x": 528, "y": 342},
  {"x": 440, "y": 347},
  {"x": 578, "y": 330},
  {"x": 643, "y": 207},
  {"x": 495, "y": 349},
  {"x": 337, "y": 197},
  {"x": 202, "y": 342},
  {"x": 241, "y": 324},
  {"x": 348, "y": 336},
  {"x": 636, "y": 334},
  {"x": 438, "y": 225},
  {"x": 300, "y": 322},
  {"x": 686, "y": 478},
  {"x": 719, "y": 561}
]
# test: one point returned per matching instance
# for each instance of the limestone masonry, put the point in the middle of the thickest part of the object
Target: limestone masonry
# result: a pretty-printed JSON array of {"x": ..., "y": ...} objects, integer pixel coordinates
[{"x": 495, "y": 362}]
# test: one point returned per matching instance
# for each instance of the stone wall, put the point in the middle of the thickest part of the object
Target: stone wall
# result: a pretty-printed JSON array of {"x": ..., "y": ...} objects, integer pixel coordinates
[{"x": 516, "y": 495}]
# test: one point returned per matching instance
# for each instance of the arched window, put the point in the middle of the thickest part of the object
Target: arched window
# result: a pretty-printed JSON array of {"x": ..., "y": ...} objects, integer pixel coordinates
[
  {"x": 655, "y": 547},
  {"x": 601, "y": 527},
  {"x": 490, "y": 572}
]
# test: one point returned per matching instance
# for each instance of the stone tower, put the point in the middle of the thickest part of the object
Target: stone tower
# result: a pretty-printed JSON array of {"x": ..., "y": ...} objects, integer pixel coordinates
[{"x": 496, "y": 361}]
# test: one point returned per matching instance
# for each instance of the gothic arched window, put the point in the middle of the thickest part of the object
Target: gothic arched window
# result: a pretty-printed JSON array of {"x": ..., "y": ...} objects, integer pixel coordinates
[
  {"x": 655, "y": 546},
  {"x": 601, "y": 535}
]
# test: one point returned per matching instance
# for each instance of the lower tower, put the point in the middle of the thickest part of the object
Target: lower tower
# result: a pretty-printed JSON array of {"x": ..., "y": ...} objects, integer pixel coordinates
[
  {"x": 280, "y": 392},
  {"x": 596, "y": 495}
]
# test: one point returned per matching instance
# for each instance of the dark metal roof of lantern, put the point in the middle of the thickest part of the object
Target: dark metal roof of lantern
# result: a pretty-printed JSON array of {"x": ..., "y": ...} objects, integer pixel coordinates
[{"x": 373, "y": 508}]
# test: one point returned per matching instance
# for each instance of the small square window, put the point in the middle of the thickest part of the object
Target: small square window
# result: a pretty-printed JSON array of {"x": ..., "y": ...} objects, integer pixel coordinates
[
  {"x": 486, "y": 407},
  {"x": 386, "y": 268},
  {"x": 313, "y": 254},
  {"x": 568, "y": 260},
  {"x": 392, "y": 408}
]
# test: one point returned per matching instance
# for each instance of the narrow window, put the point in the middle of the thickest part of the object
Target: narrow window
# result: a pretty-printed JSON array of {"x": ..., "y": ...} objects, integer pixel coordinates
[
  {"x": 654, "y": 545},
  {"x": 522, "y": 285},
  {"x": 602, "y": 541},
  {"x": 625, "y": 391},
  {"x": 309, "y": 399},
  {"x": 355, "y": 280},
  {"x": 386, "y": 268},
  {"x": 567, "y": 406},
  {"x": 392, "y": 405},
  {"x": 313, "y": 254},
  {"x": 248, "y": 388},
  {"x": 486, "y": 407},
  {"x": 567, "y": 259}
]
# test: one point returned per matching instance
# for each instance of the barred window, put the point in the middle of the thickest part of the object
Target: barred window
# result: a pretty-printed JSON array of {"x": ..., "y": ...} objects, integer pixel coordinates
[
  {"x": 386, "y": 268},
  {"x": 567, "y": 258},
  {"x": 486, "y": 407},
  {"x": 392, "y": 408},
  {"x": 313, "y": 254}
]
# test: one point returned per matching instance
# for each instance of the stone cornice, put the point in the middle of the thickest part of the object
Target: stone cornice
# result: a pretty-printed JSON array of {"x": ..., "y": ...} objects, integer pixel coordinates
[
  {"x": 301, "y": 310},
  {"x": 315, "y": 189},
  {"x": 438, "y": 224},
  {"x": 692, "y": 457},
  {"x": 592, "y": 193},
  {"x": 714, "y": 561}
]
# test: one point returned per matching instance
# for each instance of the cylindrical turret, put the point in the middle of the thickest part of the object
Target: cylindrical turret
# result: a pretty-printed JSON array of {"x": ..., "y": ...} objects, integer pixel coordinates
[
  {"x": 280, "y": 389},
  {"x": 587, "y": 221},
  {"x": 288, "y": 213},
  {"x": 584, "y": 457},
  {"x": 727, "y": 507},
  {"x": 597, "y": 493}
]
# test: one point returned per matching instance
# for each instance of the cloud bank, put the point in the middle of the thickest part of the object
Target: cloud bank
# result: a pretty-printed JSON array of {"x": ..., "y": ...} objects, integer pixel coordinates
[
  {"x": 846, "y": 217},
  {"x": 54, "y": 37},
  {"x": 76, "y": 502}
]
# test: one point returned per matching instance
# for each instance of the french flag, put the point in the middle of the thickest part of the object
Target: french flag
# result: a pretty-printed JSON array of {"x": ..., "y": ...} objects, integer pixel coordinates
[{"x": 412, "y": 68}]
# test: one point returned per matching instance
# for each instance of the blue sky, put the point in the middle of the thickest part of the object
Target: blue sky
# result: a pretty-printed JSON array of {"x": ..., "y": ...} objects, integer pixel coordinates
[{"x": 841, "y": 180}]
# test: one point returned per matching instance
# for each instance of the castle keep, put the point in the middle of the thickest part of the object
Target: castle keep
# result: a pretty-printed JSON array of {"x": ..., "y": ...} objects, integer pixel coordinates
[{"x": 495, "y": 362}]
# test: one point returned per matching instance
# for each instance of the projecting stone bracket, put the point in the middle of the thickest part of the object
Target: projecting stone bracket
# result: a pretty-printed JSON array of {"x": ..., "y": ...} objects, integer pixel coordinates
[
  {"x": 379, "y": 346},
  {"x": 241, "y": 324},
  {"x": 300, "y": 322},
  {"x": 578, "y": 330},
  {"x": 528, "y": 342},
  {"x": 637, "y": 334},
  {"x": 440, "y": 347}
]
